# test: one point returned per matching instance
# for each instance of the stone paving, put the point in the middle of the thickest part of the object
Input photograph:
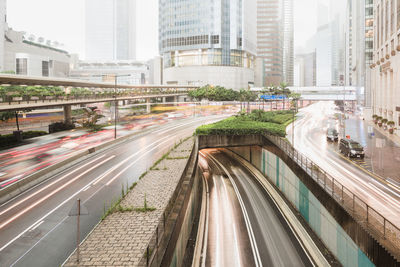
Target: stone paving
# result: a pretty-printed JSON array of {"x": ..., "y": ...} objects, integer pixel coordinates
[{"x": 121, "y": 238}]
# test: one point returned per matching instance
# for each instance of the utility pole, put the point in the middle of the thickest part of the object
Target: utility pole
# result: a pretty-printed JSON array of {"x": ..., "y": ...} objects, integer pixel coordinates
[
  {"x": 344, "y": 112},
  {"x": 78, "y": 230}
]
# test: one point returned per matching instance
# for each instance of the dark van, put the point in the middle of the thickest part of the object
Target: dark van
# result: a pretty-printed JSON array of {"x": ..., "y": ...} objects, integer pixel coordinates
[
  {"x": 332, "y": 134},
  {"x": 351, "y": 148}
]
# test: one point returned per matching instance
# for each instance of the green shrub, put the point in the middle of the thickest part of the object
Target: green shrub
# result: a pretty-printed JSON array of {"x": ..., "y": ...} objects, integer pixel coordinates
[
  {"x": 32, "y": 134},
  {"x": 257, "y": 122},
  {"x": 60, "y": 126},
  {"x": 7, "y": 140}
]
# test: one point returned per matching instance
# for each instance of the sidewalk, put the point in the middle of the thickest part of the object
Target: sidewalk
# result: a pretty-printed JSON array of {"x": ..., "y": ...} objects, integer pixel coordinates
[
  {"x": 122, "y": 237},
  {"x": 385, "y": 161}
]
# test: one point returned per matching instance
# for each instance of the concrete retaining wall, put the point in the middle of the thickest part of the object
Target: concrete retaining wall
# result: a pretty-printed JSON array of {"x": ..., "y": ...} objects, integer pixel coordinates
[{"x": 347, "y": 239}]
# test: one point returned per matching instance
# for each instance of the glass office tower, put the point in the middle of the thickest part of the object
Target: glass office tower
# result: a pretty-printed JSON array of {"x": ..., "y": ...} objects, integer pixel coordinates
[{"x": 208, "y": 42}]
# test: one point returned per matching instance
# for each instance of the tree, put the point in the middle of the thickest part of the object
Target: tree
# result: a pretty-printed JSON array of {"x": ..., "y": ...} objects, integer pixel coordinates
[
  {"x": 6, "y": 115},
  {"x": 91, "y": 118},
  {"x": 246, "y": 95}
]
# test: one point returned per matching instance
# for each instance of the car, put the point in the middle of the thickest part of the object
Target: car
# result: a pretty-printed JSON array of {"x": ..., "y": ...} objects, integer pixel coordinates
[
  {"x": 332, "y": 135},
  {"x": 351, "y": 148}
]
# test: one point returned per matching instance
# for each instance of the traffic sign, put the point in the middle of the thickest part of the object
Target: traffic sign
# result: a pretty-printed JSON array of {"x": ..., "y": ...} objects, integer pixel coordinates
[{"x": 273, "y": 97}]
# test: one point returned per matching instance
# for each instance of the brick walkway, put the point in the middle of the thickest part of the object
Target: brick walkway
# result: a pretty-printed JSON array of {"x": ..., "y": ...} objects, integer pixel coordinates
[{"x": 121, "y": 238}]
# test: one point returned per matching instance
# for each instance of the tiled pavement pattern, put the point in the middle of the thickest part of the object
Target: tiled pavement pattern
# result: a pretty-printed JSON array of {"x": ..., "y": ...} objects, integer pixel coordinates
[{"x": 121, "y": 239}]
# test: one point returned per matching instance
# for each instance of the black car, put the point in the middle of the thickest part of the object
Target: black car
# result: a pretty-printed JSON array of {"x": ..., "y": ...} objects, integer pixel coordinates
[
  {"x": 351, "y": 148},
  {"x": 332, "y": 134}
]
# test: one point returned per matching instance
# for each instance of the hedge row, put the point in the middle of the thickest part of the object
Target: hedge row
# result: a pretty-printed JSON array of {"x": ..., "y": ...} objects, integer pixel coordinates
[{"x": 258, "y": 122}]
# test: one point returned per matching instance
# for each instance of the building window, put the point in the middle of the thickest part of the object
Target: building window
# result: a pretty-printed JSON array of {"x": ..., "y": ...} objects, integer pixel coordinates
[
  {"x": 22, "y": 66},
  {"x": 45, "y": 68},
  {"x": 214, "y": 39},
  {"x": 378, "y": 21},
  {"x": 387, "y": 21},
  {"x": 398, "y": 14},
  {"x": 392, "y": 10}
]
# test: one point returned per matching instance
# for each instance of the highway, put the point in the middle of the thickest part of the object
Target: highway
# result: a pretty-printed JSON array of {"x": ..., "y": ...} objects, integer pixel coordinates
[
  {"x": 35, "y": 229},
  {"x": 242, "y": 225},
  {"x": 310, "y": 139}
]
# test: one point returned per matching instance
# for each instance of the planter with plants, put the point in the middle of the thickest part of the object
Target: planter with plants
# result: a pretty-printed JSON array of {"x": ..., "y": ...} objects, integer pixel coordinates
[
  {"x": 379, "y": 118},
  {"x": 391, "y": 126},
  {"x": 375, "y": 118},
  {"x": 384, "y": 121}
]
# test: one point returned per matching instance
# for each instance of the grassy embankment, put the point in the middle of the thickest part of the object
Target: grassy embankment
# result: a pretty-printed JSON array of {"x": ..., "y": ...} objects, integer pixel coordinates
[{"x": 257, "y": 122}]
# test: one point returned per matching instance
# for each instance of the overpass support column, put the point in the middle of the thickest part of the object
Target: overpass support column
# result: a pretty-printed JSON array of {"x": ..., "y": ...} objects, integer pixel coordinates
[
  {"x": 164, "y": 100},
  {"x": 67, "y": 114},
  {"x": 175, "y": 100},
  {"x": 148, "y": 106}
]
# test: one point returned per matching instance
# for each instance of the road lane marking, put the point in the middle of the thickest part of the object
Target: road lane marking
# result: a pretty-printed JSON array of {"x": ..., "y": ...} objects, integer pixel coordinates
[
  {"x": 47, "y": 214},
  {"x": 49, "y": 185},
  {"x": 52, "y": 193},
  {"x": 86, "y": 188},
  {"x": 253, "y": 242},
  {"x": 385, "y": 195},
  {"x": 380, "y": 179},
  {"x": 96, "y": 181},
  {"x": 132, "y": 163},
  {"x": 36, "y": 226}
]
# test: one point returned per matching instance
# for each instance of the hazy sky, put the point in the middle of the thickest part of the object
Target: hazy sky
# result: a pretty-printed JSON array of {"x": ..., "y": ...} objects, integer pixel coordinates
[{"x": 63, "y": 21}]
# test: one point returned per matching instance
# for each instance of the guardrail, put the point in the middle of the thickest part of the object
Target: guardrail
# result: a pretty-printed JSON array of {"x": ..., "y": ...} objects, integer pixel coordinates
[
  {"x": 51, "y": 99},
  {"x": 354, "y": 205}
]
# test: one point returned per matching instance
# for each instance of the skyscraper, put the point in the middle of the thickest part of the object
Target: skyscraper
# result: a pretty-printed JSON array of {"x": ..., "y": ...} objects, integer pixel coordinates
[
  {"x": 360, "y": 35},
  {"x": 330, "y": 43},
  {"x": 288, "y": 42},
  {"x": 3, "y": 18},
  {"x": 275, "y": 40},
  {"x": 110, "y": 30},
  {"x": 208, "y": 42}
]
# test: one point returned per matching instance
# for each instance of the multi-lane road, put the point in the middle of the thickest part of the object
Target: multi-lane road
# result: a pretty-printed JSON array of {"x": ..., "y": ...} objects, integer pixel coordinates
[
  {"x": 35, "y": 229},
  {"x": 310, "y": 139},
  {"x": 242, "y": 226}
]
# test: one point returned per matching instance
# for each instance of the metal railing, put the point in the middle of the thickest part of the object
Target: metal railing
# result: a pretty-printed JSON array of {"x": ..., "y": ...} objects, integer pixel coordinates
[{"x": 367, "y": 216}]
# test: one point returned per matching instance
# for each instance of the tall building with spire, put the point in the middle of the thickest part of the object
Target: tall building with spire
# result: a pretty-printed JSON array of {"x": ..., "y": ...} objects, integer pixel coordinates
[{"x": 110, "y": 29}]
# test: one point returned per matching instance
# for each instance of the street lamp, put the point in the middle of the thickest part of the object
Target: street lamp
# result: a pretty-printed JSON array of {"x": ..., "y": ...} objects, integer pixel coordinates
[
  {"x": 116, "y": 76},
  {"x": 344, "y": 112}
]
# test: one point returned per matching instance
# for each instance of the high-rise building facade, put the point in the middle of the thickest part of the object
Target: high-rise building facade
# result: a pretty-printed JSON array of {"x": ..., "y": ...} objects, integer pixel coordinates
[
  {"x": 110, "y": 30},
  {"x": 275, "y": 38},
  {"x": 360, "y": 30},
  {"x": 330, "y": 43},
  {"x": 385, "y": 81},
  {"x": 3, "y": 25},
  {"x": 288, "y": 42},
  {"x": 208, "y": 42},
  {"x": 305, "y": 70}
]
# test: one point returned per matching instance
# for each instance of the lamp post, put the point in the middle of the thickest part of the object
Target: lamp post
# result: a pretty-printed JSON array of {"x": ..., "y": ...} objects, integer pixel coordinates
[
  {"x": 116, "y": 76},
  {"x": 344, "y": 112}
]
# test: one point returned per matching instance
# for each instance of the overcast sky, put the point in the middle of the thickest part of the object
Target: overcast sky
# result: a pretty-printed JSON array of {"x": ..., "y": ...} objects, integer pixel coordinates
[{"x": 63, "y": 21}]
